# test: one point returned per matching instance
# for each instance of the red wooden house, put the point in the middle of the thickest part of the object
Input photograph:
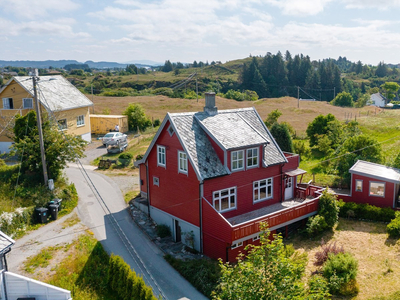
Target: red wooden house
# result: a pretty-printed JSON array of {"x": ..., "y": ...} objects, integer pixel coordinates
[
  {"x": 213, "y": 176},
  {"x": 374, "y": 184}
]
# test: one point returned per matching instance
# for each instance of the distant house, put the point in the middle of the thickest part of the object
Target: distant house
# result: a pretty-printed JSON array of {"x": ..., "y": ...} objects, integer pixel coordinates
[
  {"x": 56, "y": 96},
  {"x": 378, "y": 100},
  {"x": 213, "y": 176},
  {"x": 14, "y": 286},
  {"x": 374, "y": 184}
]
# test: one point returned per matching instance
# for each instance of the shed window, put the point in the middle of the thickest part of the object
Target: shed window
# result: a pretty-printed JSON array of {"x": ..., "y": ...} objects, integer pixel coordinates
[
  {"x": 359, "y": 185},
  {"x": 28, "y": 102},
  {"x": 377, "y": 189}
]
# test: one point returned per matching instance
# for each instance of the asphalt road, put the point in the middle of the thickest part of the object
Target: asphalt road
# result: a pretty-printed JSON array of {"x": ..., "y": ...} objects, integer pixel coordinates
[{"x": 137, "y": 250}]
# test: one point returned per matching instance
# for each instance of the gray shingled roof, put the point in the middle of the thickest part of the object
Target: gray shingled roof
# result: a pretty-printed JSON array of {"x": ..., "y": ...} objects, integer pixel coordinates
[
  {"x": 5, "y": 242},
  {"x": 232, "y": 129},
  {"x": 199, "y": 148},
  {"x": 55, "y": 92},
  {"x": 376, "y": 171}
]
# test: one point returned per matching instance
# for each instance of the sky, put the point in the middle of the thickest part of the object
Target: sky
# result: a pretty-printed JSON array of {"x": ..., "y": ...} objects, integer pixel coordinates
[{"x": 202, "y": 30}]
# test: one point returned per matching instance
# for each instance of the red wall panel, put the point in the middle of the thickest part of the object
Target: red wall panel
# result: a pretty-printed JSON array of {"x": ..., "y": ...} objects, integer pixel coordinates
[
  {"x": 142, "y": 175},
  {"x": 293, "y": 163}
]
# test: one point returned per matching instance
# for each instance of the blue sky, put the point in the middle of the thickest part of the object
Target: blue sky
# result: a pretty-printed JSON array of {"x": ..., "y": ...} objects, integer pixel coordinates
[{"x": 187, "y": 30}]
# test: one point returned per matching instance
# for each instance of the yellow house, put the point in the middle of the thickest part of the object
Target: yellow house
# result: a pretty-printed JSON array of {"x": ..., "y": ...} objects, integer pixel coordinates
[{"x": 56, "y": 95}]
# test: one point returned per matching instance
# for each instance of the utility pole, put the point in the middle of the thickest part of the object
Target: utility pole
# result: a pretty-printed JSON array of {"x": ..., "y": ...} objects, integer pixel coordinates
[
  {"x": 298, "y": 97},
  {"x": 39, "y": 126},
  {"x": 91, "y": 86},
  {"x": 197, "y": 90}
]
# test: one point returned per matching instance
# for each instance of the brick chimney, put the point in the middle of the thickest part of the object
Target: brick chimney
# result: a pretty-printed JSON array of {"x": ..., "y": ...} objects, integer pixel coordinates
[{"x": 210, "y": 107}]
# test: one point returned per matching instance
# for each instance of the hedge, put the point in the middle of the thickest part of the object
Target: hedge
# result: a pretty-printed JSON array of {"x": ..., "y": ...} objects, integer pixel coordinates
[
  {"x": 365, "y": 212},
  {"x": 125, "y": 283}
]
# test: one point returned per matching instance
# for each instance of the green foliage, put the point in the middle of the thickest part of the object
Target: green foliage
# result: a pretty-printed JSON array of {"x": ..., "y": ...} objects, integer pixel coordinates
[
  {"x": 266, "y": 273},
  {"x": 328, "y": 208},
  {"x": 318, "y": 288},
  {"x": 125, "y": 159},
  {"x": 282, "y": 136},
  {"x": 59, "y": 148},
  {"x": 203, "y": 274},
  {"x": 301, "y": 148},
  {"x": 365, "y": 211},
  {"x": 318, "y": 127},
  {"x": 272, "y": 117},
  {"x": 361, "y": 147},
  {"x": 69, "y": 197},
  {"x": 339, "y": 270},
  {"x": 125, "y": 283},
  {"x": 343, "y": 99},
  {"x": 391, "y": 89},
  {"x": 327, "y": 249},
  {"x": 393, "y": 228},
  {"x": 163, "y": 230},
  {"x": 156, "y": 123},
  {"x": 247, "y": 95},
  {"x": 137, "y": 119},
  {"x": 11, "y": 222},
  {"x": 396, "y": 162},
  {"x": 190, "y": 95},
  {"x": 315, "y": 225},
  {"x": 167, "y": 66}
]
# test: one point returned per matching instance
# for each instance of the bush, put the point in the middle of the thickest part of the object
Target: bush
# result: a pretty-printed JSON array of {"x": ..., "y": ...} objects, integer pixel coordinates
[
  {"x": 365, "y": 211},
  {"x": 156, "y": 123},
  {"x": 125, "y": 159},
  {"x": 301, "y": 148},
  {"x": 315, "y": 225},
  {"x": 340, "y": 270},
  {"x": 393, "y": 228},
  {"x": 328, "y": 208},
  {"x": 163, "y": 230},
  {"x": 139, "y": 156},
  {"x": 318, "y": 286},
  {"x": 12, "y": 222},
  {"x": 326, "y": 249}
]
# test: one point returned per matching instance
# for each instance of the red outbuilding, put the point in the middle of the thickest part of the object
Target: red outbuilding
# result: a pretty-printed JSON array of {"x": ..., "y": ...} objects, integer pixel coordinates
[
  {"x": 374, "y": 184},
  {"x": 213, "y": 176}
]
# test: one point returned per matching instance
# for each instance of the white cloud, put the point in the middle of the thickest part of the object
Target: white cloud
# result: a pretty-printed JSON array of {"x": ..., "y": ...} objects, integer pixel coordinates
[
  {"x": 30, "y": 9},
  {"x": 381, "y": 5},
  {"x": 299, "y": 7},
  {"x": 98, "y": 27}
]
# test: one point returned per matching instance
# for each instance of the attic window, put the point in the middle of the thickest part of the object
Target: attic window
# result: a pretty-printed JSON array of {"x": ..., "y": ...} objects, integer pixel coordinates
[{"x": 170, "y": 130}]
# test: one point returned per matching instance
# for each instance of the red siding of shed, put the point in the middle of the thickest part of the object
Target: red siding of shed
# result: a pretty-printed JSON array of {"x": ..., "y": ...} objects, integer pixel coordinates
[
  {"x": 177, "y": 193},
  {"x": 243, "y": 181},
  {"x": 364, "y": 197}
]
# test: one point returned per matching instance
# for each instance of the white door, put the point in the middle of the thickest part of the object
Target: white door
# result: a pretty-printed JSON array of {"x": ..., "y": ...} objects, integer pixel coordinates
[{"x": 288, "y": 188}]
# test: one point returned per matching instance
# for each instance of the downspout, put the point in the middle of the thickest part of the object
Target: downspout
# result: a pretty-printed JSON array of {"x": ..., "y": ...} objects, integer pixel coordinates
[
  {"x": 4, "y": 285},
  {"x": 201, "y": 214},
  {"x": 147, "y": 188}
]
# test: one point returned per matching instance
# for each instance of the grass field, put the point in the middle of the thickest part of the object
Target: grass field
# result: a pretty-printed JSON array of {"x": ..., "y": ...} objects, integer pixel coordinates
[{"x": 377, "y": 255}]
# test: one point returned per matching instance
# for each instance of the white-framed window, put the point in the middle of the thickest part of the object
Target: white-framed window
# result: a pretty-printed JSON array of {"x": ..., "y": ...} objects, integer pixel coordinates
[
  {"x": 161, "y": 156},
  {"x": 156, "y": 181},
  {"x": 62, "y": 124},
  {"x": 171, "y": 130},
  {"x": 182, "y": 162},
  {"x": 252, "y": 157},
  {"x": 237, "y": 160},
  {"x": 377, "y": 189},
  {"x": 237, "y": 245},
  {"x": 224, "y": 199},
  {"x": 256, "y": 238},
  {"x": 359, "y": 185},
  {"x": 262, "y": 189},
  {"x": 27, "y": 102},
  {"x": 8, "y": 103},
  {"x": 80, "y": 120}
]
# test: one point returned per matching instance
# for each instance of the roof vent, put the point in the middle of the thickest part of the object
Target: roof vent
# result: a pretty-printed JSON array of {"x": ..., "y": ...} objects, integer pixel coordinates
[{"x": 210, "y": 107}]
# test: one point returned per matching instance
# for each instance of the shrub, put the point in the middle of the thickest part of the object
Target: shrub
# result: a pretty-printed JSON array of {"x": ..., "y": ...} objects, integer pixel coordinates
[
  {"x": 12, "y": 222},
  {"x": 139, "y": 156},
  {"x": 326, "y": 249},
  {"x": 365, "y": 211},
  {"x": 315, "y": 225},
  {"x": 339, "y": 270},
  {"x": 301, "y": 148},
  {"x": 163, "y": 230},
  {"x": 393, "y": 228},
  {"x": 125, "y": 159},
  {"x": 318, "y": 286},
  {"x": 156, "y": 123},
  {"x": 328, "y": 208}
]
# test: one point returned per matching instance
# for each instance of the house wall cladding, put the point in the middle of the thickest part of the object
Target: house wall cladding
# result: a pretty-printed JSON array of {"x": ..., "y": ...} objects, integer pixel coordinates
[
  {"x": 292, "y": 164},
  {"x": 364, "y": 197},
  {"x": 177, "y": 193},
  {"x": 143, "y": 178},
  {"x": 243, "y": 181}
]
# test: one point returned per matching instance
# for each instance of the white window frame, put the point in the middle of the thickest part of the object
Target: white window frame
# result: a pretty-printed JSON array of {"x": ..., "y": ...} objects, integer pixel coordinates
[
  {"x": 171, "y": 130},
  {"x": 236, "y": 245},
  {"x": 263, "y": 184},
  {"x": 161, "y": 156},
  {"x": 80, "y": 120},
  {"x": 217, "y": 197},
  {"x": 237, "y": 160},
  {"x": 24, "y": 102},
  {"x": 6, "y": 103},
  {"x": 251, "y": 157},
  {"x": 256, "y": 238},
  {"x": 376, "y": 195},
  {"x": 182, "y": 162},
  {"x": 356, "y": 181},
  {"x": 62, "y": 127}
]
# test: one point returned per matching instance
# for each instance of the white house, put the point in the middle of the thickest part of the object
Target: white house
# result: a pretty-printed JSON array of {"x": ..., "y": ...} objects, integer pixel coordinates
[{"x": 378, "y": 99}]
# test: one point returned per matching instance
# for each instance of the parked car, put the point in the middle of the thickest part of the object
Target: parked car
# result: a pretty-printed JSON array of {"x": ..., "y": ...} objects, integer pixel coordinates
[
  {"x": 118, "y": 147},
  {"x": 113, "y": 138}
]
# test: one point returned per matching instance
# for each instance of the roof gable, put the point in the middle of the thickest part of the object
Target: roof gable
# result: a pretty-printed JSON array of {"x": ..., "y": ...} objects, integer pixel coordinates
[{"x": 55, "y": 92}]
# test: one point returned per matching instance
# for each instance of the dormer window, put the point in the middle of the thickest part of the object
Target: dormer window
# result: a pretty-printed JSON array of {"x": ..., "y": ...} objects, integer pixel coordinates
[
  {"x": 237, "y": 160},
  {"x": 252, "y": 157}
]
